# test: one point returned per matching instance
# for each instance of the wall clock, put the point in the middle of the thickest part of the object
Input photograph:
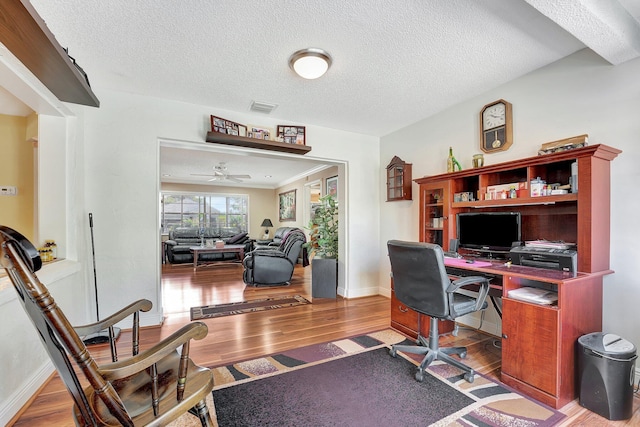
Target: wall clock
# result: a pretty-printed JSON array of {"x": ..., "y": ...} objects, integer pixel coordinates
[{"x": 496, "y": 126}]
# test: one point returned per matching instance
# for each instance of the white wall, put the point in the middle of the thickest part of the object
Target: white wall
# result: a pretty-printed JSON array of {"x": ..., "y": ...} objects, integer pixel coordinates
[
  {"x": 577, "y": 95},
  {"x": 121, "y": 182},
  {"x": 24, "y": 361}
]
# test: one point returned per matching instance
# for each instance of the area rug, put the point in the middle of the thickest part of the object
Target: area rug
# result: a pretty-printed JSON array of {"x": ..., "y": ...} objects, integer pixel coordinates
[
  {"x": 209, "y": 311},
  {"x": 355, "y": 382}
]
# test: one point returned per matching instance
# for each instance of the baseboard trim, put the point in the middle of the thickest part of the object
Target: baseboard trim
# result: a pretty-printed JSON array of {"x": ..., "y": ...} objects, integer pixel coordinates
[
  {"x": 11, "y": 407},
  {"x": 150, "y": 319},
  {"x": 361, "y": 292}
]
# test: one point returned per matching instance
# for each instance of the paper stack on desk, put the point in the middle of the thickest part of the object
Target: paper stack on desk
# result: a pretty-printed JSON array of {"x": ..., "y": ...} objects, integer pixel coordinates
[
  {"x": 550, "y": 244},
  {"x": 534, "y": 295}
]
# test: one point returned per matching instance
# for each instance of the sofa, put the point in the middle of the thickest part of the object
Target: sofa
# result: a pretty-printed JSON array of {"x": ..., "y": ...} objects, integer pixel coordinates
[
  {"x": 278, "y": 236},
  {"x": 181, "y": 239}
]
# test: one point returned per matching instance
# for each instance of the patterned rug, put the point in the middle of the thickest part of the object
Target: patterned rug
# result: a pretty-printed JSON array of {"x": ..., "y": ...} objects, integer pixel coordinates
[
  {"x": 209, "y": 311},
  {"x": 364, "y": 370}
]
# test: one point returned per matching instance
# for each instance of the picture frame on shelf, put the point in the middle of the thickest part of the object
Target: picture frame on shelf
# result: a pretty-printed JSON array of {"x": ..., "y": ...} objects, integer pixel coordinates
[
  {"x": 287, "y": 206},
  {"x": 220, "y": 125},
  {"x": 331, "y": 187},
  {"x": 290, "y": 134},
  {"x": 259, "y": 132}
]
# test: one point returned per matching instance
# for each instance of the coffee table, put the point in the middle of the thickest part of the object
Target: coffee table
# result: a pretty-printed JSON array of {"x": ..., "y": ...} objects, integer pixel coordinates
[{"x": 197, "y": 250}]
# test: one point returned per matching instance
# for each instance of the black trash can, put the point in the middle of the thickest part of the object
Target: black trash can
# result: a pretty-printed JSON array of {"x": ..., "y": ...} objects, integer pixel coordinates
[{"x": 606, "y": 365}]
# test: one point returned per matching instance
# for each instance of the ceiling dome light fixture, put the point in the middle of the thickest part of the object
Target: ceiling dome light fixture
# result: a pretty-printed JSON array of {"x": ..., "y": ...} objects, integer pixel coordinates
[{"x": 310, "y": 63}]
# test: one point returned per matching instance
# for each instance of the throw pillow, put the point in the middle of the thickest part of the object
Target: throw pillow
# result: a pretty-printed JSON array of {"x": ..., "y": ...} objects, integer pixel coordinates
[{"x": 237, "y": 238}]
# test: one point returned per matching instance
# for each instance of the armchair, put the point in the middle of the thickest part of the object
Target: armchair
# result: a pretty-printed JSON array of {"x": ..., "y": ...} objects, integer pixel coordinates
[
  {"x": 420, "y": 281},
  {"x": 274, "y": 267},
  {"x": 152, "y": 387}
]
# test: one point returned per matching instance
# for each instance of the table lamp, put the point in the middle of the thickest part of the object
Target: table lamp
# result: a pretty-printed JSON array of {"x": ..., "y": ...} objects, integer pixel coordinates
[{"x": 266, "y": 223}]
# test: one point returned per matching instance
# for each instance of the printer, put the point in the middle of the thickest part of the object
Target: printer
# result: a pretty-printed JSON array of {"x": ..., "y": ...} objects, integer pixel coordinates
[{"x": 551, "y": 258}]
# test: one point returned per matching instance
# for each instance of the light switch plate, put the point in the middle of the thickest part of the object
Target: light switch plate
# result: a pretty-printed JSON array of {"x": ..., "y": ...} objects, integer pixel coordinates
[{"x": 8, "y": 191}]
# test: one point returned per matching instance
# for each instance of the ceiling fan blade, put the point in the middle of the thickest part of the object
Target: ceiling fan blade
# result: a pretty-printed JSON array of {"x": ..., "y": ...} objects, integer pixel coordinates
[{"x": 220, "y": 174}]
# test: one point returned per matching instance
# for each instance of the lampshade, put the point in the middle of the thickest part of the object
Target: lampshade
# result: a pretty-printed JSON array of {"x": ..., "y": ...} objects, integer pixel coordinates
[
  {"x": 310, "y": 63},
  {"x": 266, "y": 223}
]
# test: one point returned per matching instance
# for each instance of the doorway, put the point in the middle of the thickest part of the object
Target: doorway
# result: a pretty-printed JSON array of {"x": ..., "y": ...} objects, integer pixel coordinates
[
  {"x": 250, "y": 160},
  {"x": 312, "y": 193}
]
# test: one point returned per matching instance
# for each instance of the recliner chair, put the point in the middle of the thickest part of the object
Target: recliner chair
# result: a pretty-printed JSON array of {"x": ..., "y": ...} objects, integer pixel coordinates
[
  {"x": 274, "y": 267},
  {"x": 420, "y": 282},
  {"x": 278, "y": 236}
]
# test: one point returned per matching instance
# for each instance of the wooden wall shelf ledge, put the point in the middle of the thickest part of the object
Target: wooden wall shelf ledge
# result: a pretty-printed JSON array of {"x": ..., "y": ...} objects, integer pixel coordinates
[
  {"x": 27, "y": 36},
  {"x": 243, "y": 141}
]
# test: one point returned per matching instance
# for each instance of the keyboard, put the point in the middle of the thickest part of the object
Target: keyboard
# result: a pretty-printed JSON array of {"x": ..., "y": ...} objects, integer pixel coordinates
[{"x": 459, "y": 262}]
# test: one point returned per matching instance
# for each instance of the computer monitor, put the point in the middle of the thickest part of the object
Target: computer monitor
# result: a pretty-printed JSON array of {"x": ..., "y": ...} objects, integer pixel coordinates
[{"x": 488, "y": 232}]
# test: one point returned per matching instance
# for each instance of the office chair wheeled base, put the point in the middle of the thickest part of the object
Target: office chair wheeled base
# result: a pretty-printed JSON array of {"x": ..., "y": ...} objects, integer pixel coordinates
[{"x": 432, "y": 351}]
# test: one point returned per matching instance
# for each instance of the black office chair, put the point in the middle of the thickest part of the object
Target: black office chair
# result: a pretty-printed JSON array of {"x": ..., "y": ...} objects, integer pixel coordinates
[{"x": 421, "y": 283}]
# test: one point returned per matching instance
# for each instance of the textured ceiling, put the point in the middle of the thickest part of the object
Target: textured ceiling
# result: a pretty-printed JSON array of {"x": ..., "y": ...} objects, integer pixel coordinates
[{"x": 394, "y": 62}]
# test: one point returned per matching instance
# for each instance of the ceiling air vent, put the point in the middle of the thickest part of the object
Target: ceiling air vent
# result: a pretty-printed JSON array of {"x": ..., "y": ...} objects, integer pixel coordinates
[{"x": 262, "y": 107}]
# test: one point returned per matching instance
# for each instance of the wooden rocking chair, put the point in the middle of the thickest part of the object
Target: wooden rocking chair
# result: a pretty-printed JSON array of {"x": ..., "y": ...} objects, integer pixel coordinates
[{"x": 151, "y": 388}]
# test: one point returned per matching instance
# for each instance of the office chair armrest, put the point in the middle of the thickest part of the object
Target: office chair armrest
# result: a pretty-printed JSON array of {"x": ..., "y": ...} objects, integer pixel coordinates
[
  {"x": 135, "y": 364},
  {"x": 483, "y": 282},
  {"x": 92, "y": 328}
]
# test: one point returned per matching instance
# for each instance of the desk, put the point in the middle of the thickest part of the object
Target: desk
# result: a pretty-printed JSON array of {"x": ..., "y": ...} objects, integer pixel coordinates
[
  {"x": 197, "y": 250},
  {"x": 539, "y": 341}
]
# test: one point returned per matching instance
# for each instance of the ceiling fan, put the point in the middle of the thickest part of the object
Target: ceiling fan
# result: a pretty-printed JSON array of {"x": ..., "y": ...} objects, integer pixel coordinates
[{"x": 220, "y": 174}]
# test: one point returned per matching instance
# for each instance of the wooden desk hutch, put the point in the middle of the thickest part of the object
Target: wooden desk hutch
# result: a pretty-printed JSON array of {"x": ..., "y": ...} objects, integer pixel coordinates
[{"x": 538, "y": 341}]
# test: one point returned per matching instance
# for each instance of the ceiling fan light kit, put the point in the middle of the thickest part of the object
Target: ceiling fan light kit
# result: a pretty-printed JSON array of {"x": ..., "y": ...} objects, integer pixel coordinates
[{"x": 220, "y": 173}]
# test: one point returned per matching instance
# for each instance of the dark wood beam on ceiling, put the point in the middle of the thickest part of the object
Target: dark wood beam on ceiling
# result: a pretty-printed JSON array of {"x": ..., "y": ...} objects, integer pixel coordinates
[{"x": 25, "y": 34}]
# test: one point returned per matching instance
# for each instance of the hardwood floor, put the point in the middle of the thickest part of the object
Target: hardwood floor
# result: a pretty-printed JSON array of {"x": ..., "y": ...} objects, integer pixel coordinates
[{"x": 246, "y": 336}]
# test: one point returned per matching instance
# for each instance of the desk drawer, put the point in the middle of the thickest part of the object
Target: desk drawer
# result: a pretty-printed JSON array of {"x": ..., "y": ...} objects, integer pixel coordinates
[
  {"x": 403, "y": 318},
  {"x": 406, "y": 320}
]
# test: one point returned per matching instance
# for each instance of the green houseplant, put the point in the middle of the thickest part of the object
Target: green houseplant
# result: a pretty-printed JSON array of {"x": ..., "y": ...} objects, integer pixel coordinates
[
  {"x": 323, "y": 246},
  {"x": 323, "y": 229}
]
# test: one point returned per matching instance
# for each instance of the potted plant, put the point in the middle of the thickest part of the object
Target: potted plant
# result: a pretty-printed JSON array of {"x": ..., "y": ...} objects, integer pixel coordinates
[{"x": 323, "y": 247}]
